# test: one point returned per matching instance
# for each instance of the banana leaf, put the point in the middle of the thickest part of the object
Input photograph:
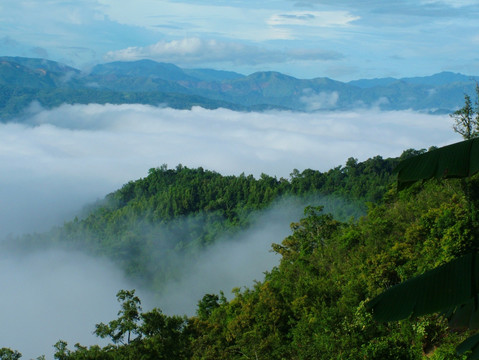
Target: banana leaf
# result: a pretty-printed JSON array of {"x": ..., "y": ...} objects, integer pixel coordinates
[
  {"x": 470, "y": 344},
  {"x": 450, "y": 288},
  {"x": 457, "y": 160}
]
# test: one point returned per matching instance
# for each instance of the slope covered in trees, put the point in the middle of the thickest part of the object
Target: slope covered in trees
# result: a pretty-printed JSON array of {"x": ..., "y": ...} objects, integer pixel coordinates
[
  {"x": 312, "y": 305},
  {"x": 151, "y": 226}
]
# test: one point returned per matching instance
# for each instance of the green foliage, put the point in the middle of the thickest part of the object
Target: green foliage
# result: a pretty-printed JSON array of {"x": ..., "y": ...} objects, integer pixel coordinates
[
  {"x": 310, "y": 306},
  {"x": 466, "y": 119},
  {"x": 152, "y": 226},
  {"x": 157, "y": 336},
  {"x": 307, "y": 307},
  {"x": 9, "y": 354},
  {"x": 127, "y": 323},
  {"x": 451, "y": 288}
]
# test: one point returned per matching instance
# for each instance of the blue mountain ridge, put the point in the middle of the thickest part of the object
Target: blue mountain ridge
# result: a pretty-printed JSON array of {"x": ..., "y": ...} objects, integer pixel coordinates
[{"x": 23, "y": 80}]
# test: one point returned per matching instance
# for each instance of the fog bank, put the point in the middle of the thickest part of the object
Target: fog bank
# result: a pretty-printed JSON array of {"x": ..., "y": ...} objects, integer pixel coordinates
[
  {"x": 234, "y": 261},
  {"x": 48, "y": 296},
  {"x": 55, "y": 161}
]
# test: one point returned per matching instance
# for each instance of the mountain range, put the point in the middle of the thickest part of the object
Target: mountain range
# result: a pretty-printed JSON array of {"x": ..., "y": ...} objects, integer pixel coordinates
[{"x": 24, "y": 80}]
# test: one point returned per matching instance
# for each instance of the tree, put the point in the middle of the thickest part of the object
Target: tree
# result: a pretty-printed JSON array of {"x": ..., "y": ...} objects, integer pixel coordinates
[
  {"x": 207, "y": 304},
  {"x": 127, "y": 323},
  {"x": 9, "y": 354},
  {"x": 466, "y": 119}
]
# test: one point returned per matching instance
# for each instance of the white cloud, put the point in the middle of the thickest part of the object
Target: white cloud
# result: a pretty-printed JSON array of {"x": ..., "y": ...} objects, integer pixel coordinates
[
  {"x": 196, "y": 51},
  {"x": 313, "y": 18},
  {"x": 234, "y": 20},
  {"x": 55, "y": 295},
  {"x": 319, "y": 101},
  {"x": 77, "y": 153},
  {"x": 233, "y": 262}
]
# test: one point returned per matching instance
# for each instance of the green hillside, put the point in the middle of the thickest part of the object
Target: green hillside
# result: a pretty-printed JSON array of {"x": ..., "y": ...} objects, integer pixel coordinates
[
  {"x": 150, "y": 226},
  {"x": 310, "y": 306}
]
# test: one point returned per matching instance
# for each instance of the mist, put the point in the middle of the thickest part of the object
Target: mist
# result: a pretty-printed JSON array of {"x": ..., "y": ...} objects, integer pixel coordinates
[
  {"x": 237, "y": 261},
  {"x": 53, "y": 295},
  {"x": 54, "y": 162}
]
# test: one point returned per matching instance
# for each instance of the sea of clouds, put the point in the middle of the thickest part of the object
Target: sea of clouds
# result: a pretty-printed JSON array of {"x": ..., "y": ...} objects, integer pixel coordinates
[{"x": 53, "y": 162}]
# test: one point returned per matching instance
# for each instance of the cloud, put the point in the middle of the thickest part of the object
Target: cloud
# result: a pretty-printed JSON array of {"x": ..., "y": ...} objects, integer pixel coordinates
[
  {"x": 423, "y": 8},
  {"x": 313, "y": 18},
  {"x": 55, "y": 295},
  {"x": 319, "y": 101},
  {"x": 236, "y": 261},
  {"x": 63, "y": 158},
  {"x": 197, "y": 51}
]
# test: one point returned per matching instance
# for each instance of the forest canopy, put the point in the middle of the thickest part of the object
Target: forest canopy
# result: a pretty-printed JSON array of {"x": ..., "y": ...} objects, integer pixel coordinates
[{"x": 312, "y": 304}]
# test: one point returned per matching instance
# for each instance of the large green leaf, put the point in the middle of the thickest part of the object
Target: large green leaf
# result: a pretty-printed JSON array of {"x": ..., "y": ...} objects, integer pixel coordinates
[
  {"x": 451, "y": 286},
  {"x": 453, "y": 161},
  {"x": 470, "y": 344}
]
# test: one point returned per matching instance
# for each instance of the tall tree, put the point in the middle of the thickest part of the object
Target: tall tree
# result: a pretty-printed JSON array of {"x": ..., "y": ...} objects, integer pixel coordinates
[
  {"x": 466, "y": 119},
  {"x": 9, "y": 354},
  {"x": 127, "y": 323}
]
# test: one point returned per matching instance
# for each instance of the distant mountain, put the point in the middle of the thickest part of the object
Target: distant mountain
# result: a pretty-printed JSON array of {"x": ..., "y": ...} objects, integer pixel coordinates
[
  {"x": 141, "y": 69},
  {"x": 23, "y": 80},
  {"x": 212, "y": 75},
  {"x": 370, "y": 83},
  {"x": 35, "y": 73},
  {"x": 443, "y": 78},
  {"x": 41, "y": 65}
]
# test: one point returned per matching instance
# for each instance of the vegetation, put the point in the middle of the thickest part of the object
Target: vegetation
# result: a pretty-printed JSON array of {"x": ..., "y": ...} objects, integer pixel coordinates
[
  {"x": 452, "y": 287},
  {"x": 153, "y": 226},
  {"x": 466, "y": 119},
  {"x": 402, "y": 255},
  {"x": 313, "y": 304}
]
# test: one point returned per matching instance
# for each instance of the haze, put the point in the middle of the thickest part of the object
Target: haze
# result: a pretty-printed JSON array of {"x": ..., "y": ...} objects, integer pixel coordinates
[{"x": 64, "y": 158}]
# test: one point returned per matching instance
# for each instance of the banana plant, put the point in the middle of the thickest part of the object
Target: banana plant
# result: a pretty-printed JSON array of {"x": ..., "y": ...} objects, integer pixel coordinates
[{"x": 453, "y": 288}]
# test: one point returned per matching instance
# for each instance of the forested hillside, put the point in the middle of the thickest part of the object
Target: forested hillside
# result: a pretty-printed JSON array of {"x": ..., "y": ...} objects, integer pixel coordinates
[
  {"x": 312, "y": 305},
  {"x": 150, "y": 227}
]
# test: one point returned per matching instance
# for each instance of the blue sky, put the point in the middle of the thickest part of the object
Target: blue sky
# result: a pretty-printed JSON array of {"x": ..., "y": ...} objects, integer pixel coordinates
[{"x": 341, "y": 39}]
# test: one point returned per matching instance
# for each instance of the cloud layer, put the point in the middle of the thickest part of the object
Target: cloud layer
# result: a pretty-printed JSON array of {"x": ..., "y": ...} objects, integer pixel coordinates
[
  {"x": 58, "y": 160},
  {"x": 55, "y": 295},
  {"x": 191, "y": 51},
  {"x": 54, "y": 162}
]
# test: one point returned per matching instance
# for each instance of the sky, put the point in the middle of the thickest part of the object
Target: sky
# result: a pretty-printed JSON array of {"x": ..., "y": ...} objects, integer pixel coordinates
[{"x": 343, "y": 39}]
